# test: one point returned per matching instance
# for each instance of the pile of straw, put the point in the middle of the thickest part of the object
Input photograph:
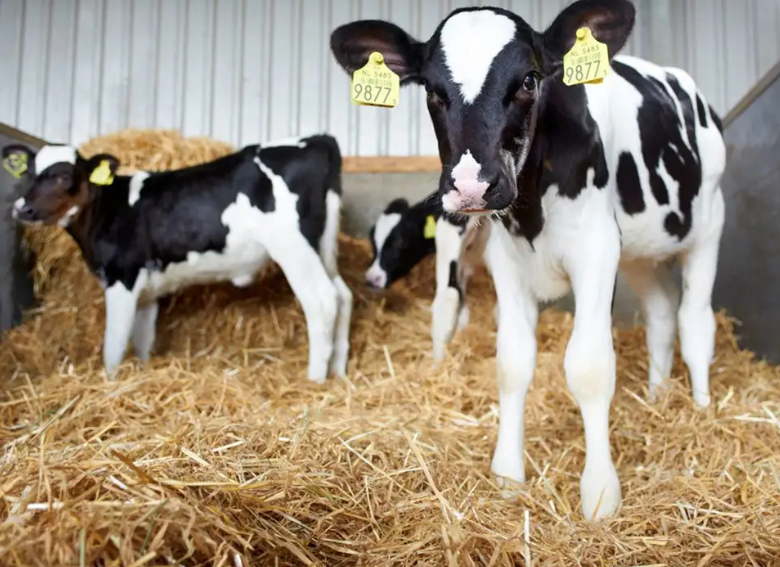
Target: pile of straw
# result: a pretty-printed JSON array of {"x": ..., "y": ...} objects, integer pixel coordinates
[{"x": 221, "y": 453}]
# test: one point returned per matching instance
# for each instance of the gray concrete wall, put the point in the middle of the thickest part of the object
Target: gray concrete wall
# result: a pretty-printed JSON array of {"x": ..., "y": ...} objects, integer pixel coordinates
[{"x": 748, "y": 269}]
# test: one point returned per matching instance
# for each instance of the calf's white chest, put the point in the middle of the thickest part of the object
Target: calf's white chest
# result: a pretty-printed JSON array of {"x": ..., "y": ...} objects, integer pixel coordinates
[{"x": 540, "y": 264}]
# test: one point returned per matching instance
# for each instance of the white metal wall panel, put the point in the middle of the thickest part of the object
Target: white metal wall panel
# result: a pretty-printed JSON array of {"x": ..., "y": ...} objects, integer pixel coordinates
[
  {"x": 726, "y": 45},
  {"x": 252, "y": 70}
]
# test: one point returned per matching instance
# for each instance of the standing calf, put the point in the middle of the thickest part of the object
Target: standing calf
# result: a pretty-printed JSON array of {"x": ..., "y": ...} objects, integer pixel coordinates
[
  {"x": 400, "y": 239},
  {"x": 576, "y": 182},
  {"x": 152, "y": 234}
]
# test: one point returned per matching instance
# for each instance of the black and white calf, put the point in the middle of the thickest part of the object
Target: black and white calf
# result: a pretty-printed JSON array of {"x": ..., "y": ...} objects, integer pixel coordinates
[
  {"x": 152, "y": 234},
  {"x": 400, "y": 240},
  {"x": 576, "y": 182}
]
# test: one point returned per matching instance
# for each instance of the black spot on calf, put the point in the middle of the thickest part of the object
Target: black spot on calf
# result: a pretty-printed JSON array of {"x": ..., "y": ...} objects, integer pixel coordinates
[{"x": 629, "y": 188}]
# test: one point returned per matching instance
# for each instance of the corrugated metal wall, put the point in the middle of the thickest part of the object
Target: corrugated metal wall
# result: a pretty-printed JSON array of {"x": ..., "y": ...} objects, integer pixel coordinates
[{"x": 252, "y": 70}]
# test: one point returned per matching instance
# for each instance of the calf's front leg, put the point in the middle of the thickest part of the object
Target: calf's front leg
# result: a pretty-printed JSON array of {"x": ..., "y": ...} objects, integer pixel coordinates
[
  {"x": 589, "y": 362},
  {"x": 121, "y": 308},
  {"x": 517, "y": 315},
  {"x": 447, "y": 302},
  {"x": 316, "y": 293}
]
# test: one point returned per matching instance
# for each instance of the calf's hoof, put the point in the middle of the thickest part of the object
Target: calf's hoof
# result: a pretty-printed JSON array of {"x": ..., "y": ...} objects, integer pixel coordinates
[
  {"x": 111, "y": 372},
  {"x": 338, "y": 364},
  {"x": 318, "y": 377},
  {"x": 509, "y": 473},
  {"x": 701, "y": 399},
  {"x": 600, "y": 492}
]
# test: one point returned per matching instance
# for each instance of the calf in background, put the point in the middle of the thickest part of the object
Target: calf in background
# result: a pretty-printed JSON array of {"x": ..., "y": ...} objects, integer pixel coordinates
[
  {"x": 403, "y": 235},
  {"x": 149, "y": 235}
]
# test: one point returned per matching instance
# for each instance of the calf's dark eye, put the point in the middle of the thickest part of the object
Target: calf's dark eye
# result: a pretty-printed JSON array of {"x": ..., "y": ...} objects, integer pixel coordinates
[
  {"x": 530, "y": 82},
  {"x": 435, "y": 99}
]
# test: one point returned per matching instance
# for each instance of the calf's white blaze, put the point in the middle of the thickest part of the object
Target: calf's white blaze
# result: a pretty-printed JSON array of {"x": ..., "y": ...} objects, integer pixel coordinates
[
  {"x": 49, "y": 155},
  {"x": 470, "y": 41},
  {"x": 382, "y": 229}
]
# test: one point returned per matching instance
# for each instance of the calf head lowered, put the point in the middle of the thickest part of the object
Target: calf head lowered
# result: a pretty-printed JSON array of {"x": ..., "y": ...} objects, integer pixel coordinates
[
  {"x": 400, "y": 239},
  {"x": 487, "y": 75}
]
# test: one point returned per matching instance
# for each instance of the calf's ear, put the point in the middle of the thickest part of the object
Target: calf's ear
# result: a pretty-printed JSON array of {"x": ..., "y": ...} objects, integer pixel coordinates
[
  {"x": 398, "y": 205},
  {"x": 353, "y": 43},
  {"x": 610, "y": 21},
  {"x": 17, "y": 159},
  {"x": 101, "y": 169}
]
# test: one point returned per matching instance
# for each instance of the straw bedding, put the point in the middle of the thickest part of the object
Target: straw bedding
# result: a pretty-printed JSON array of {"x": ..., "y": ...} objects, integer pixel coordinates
[{"x": 219, "y": 452}]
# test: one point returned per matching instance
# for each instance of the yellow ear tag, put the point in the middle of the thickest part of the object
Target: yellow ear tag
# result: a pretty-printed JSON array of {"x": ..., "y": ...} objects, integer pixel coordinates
[
  {"x": 15, "y": 164},
  {"x": 587, "y": 61},
  {"x": 430, "y": 227},
  {"x": 102, "y": 175},
  {"x": 375, "y": 84}
]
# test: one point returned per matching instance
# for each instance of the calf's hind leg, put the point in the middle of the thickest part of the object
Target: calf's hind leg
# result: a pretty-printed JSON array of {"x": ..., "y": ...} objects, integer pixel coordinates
[
  {"x": 144, "y": 330},
  {"x": 695, "y": 317},
  {"x": 316, "y": 292},
  {"x": 329, "y": 254},
  {"x": 660, "y": 300}
]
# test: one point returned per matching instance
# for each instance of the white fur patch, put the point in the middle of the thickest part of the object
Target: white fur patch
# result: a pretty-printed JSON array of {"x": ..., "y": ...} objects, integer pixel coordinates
[
  {"x": 65, "y": 220},
  {"x": 382, "y": 229},
  {"x": 470, "y": 190},
  {"x": 244, "y": 254},
  {"x": 49, "y": 155},
  {"x": 330, "y": 235},
  {"x": 292, "y": 142},
  {"x": 465, "y": 175},
  {"x": 470, "y": 41},
  {"x": 385, "y": 224},
  {"x": 136, "y": 185},
  {"x": 446, "y": 303},
  {"x": 375, "y": 275},
  {"x": 121, "y": 306}
]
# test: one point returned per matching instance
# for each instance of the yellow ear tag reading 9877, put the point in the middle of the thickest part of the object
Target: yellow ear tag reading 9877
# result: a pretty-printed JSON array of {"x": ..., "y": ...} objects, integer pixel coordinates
[
  {"x": 587, "y": 61},
  {"x": 430, "y": 227},
  {"x": 102, "y": 175},
  {"x": 375, "y": 84}
]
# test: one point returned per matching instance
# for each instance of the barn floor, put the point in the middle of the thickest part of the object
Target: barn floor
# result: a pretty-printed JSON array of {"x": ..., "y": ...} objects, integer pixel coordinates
[{"x": 219, "y": 452}]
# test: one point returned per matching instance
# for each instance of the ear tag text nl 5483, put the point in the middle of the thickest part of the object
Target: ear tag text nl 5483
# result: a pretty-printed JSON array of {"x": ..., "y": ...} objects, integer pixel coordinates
[
  {"x": 15, "y": 164},
  {"x": 102, "y": 175},
  {"x": 375, "y": 84},
  {"x": 587, "y": 61},
  {"x": 430, "y": 227}
]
